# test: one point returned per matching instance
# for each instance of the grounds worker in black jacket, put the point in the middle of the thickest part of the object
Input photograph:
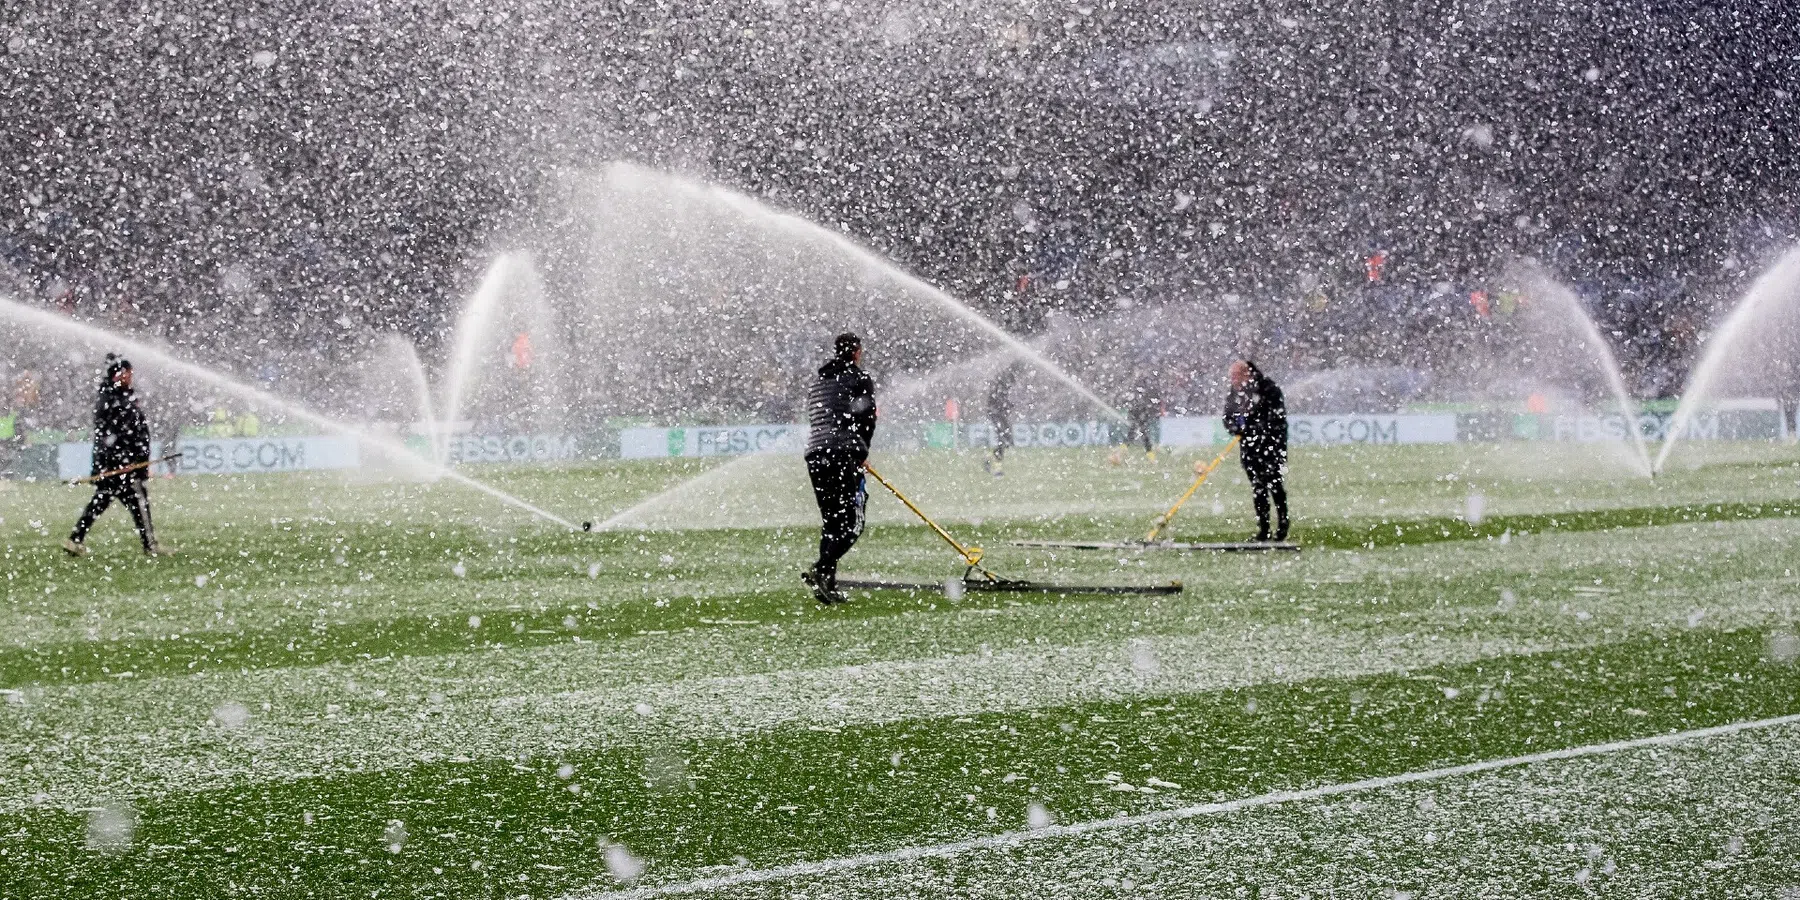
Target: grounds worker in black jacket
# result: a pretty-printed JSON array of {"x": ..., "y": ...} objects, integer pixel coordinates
[
  {"x": 1255, "y": 411},
  {"x": 841, "y": 410},
  {"x": 121, "y": 439}
]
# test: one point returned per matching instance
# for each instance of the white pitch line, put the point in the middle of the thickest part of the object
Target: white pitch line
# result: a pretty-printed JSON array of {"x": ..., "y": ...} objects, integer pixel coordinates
[{"x": 1277, "y": 798}]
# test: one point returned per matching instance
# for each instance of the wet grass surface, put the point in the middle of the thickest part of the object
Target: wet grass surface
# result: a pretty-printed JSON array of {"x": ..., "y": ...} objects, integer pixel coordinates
[
  {"x": 322, "y": 638},
  {"x": 1666, "y": 607},
  {"x": 482, "y": 826},
  {"x": 1376, "y": 533}
]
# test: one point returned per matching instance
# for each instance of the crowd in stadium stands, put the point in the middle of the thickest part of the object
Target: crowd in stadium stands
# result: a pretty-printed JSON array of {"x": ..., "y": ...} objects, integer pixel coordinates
[{"x": 1365, "y": 307}]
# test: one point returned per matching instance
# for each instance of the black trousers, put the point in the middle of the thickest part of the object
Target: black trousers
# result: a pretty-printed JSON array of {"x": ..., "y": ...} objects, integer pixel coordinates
[
  {"x": 128, "y": 491},
  {"x": 1140, "y": 423},
  {"x": 1003, "y": 435},
  {"x": 838, "y": 485},
  {"x": 1266, "y": 471}
]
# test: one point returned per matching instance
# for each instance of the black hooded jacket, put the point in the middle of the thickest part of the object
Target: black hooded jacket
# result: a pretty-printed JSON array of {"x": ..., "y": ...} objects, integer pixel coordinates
[
  {"x": 1257, "y": 413},
  {"x": 121, "y": 435},
  {"x": 999, "y": 404},
  {"x": 841, "y": 410},
  {"x": 1145, "y": 401}
]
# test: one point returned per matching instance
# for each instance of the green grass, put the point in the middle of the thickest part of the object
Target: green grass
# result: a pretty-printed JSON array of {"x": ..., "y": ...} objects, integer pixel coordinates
[
  {"x": 1369, "y": 534},
  {"x": 417, "y": 653},
  {"x": 795, "y": 792},
  {"x": 314, "y": 639}
]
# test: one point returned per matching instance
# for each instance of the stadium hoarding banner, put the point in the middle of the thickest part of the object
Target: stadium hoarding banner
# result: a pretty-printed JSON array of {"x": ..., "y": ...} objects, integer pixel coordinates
[
  {"x": 28, "y": 463},
  {"x": 505, "y": 448},
  {"x": 232, "y": 456},
  {"x": 1191, "y": 431},
  {"x": 1365, "y": 429},
  {"x": 729, "y": 440},
  {"x": 1754, "y": 419},
  {"x": 1746, "y": 419},
  {"x": 75, "y": 459},
  {"x": 1430, "y": 428},
  {"x": 740, "y": 440},
  {"x": 1044, "y": 434}
]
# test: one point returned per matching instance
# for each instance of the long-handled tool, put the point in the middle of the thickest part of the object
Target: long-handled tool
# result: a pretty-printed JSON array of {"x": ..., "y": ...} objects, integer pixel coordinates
[
  {"x": 988, "y": 580},
  {"x": 970, "y": 555},
  {"x": 1163, "y": 520},
  {"x": 1150, "y": 542},
  {"x": 88, "y": 479}
]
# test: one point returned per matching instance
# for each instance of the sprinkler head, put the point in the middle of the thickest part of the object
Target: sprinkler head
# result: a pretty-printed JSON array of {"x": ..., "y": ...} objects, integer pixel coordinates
[{"x": 587, "y": 526}]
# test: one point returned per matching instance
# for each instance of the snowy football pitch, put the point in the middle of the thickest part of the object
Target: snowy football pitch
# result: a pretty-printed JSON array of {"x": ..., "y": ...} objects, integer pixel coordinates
[{"x": 1495, "y": 671}]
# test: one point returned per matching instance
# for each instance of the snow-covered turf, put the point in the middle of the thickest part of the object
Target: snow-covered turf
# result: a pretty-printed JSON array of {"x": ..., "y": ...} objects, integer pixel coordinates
[
  {"x": 1665, "y": 821},
  {"x": 356, "y": 688},
  {"x": 1045, "y": 830}
]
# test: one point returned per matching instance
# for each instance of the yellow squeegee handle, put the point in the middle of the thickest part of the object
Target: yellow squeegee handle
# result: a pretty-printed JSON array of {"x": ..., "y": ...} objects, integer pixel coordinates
[
  {"x": 970, "y": 555},
  {"x": 1163, "y": 520},
  {"x": 89, "y": 479}
]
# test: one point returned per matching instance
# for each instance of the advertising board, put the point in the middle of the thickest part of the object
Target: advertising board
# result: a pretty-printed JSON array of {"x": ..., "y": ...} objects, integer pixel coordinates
[
  {"x": 1199, "y": 431},
  {"x": 733, "y": 440},
  {"x": 231, "y": 456}
]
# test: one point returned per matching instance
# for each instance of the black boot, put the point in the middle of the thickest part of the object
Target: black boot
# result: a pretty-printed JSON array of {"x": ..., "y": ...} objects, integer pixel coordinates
[
  {"x": 824, "y": 587},
  {"x": 812, "y": 579}
]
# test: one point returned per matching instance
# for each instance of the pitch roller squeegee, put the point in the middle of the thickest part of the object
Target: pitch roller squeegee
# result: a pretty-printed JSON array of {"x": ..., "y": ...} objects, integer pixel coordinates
[
  {"x": 979, "y": 578},
  {"x": 1150, "y": 541}
]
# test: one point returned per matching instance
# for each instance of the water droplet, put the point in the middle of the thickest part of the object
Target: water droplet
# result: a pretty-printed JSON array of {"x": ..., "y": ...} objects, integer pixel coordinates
[
  {"x": 230, "y": 715},
  {"x": 395, "y": 836},
  {"x": 625, "y": 868},
  {"x": 111, "y": 828},
  {"x": 1783, "y": 647},
  {"x": 1474, "y": 508},
  {"x": 1143, "y": 657}
]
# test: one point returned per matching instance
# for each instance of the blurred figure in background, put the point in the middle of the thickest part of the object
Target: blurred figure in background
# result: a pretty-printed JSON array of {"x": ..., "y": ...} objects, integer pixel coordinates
[
  {"x": 26, "y": 397},
  {"x": 1000, "y": 412},
  {"x": 1143, "y": 409}
]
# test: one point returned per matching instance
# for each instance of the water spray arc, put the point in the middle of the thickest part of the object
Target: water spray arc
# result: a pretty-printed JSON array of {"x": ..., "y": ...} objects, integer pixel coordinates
[
  {"x": 98, "y": 338},
  {"x": 1781, "y": 283},
  {"x": 811, "y": 232},
  {"x": 1546, "y": 290},
  {"x": 399, "y": 353},
  {"x": 727, "y": 237},
  {"x": 475, "y": 323}
]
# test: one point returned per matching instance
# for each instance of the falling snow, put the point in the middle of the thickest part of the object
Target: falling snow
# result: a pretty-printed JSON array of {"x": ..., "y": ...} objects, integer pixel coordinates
[{"x": 1313, "y": 449}]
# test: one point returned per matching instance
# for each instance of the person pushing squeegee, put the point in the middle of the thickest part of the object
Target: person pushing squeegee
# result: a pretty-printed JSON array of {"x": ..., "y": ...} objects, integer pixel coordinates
[
  {"x": 1256, "y": 418},
  {"x": 841, "y": 412}
]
